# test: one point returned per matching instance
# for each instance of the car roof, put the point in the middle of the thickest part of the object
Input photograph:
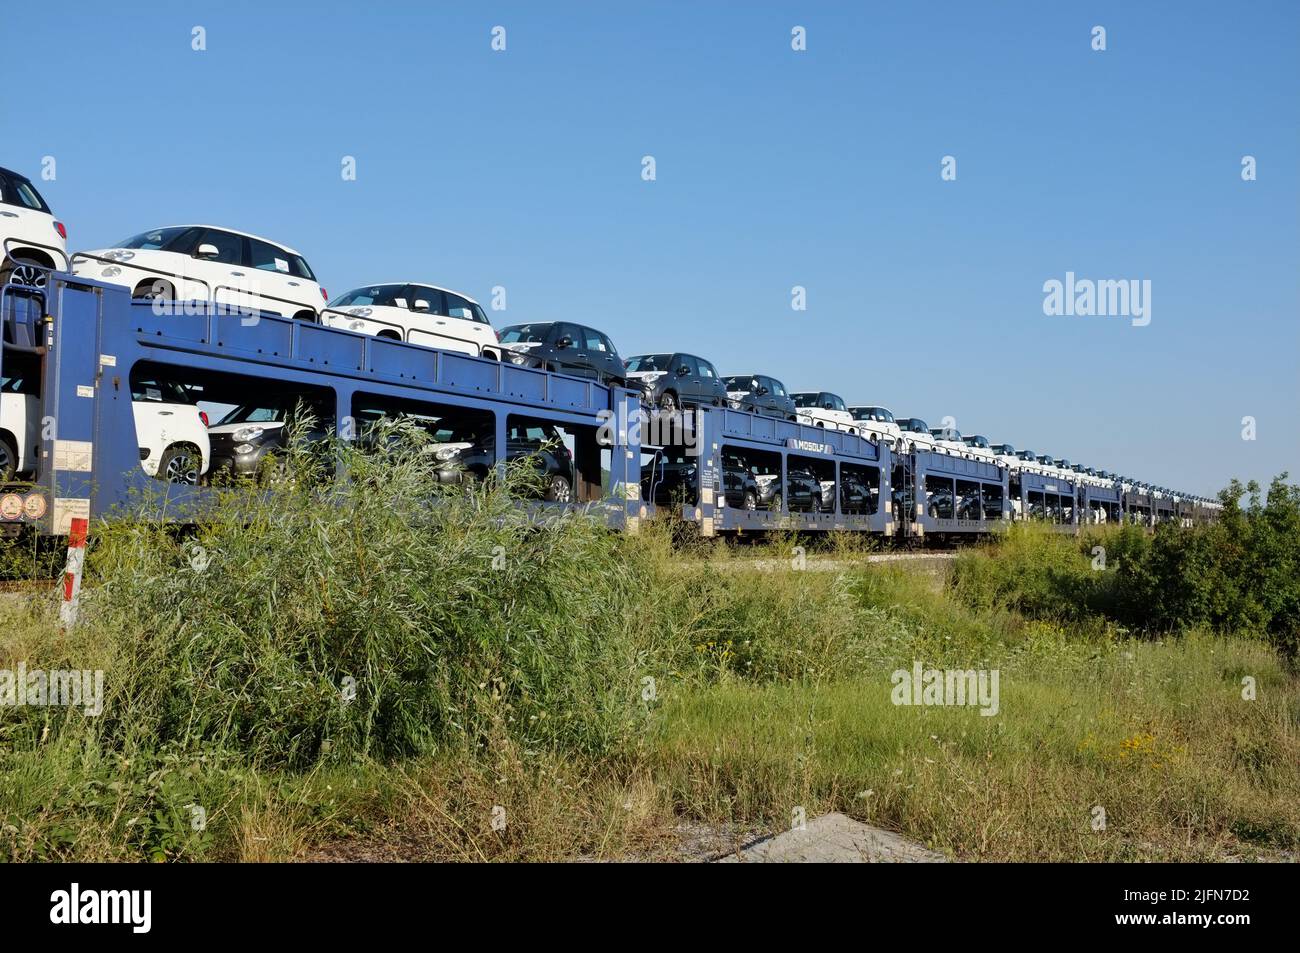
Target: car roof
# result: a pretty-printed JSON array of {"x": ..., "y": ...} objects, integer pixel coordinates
[
  {"x": 232, "y": 231},
  {"x": 422, "y": 284}
]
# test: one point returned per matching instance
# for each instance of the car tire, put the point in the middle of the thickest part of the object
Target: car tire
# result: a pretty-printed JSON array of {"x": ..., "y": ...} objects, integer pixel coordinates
[
  {"x": 180, "y": 463},
  {"x": 668, "y": 402},
  {"x": 750, "y": 501},
  {"x": 23, "y": 272},
  {"x": 157, "y": 290},
  {"x": 558, "y": 489},
  {"x": 8, "y": 459}
]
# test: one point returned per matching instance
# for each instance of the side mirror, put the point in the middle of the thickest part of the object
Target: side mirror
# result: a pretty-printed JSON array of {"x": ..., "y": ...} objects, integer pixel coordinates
[
  {"x": 683, "y": 371},
  {"x": 421, "y": 305},
  {"x": 565, "y": 341},
  {"x": 762, "y": 391},
  {"x": 828, "y": 406},
  {"x": 207, "y": 251}
]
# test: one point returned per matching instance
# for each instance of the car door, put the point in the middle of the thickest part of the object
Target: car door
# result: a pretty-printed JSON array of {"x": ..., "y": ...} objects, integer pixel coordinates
[
  {"x": 687, "y": 374},
  {"x": 270, "y": 276},
  {"x": 226, "y": 274},
  {"x": 601, "y": 355},
  {"x": 712, "y": 390},
  {"x": 572, "y": 356}
]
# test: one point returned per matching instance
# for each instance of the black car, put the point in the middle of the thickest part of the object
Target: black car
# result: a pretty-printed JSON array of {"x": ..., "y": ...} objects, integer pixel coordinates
[
  {"x": 565, "y": 347},
  {"x": 759, "y": 394},
  {"x": 801, "y": 491},
  {"x": 856, "y": 494},
  {"x": 469, "y": 452},
  {"x": 247, "y": 438},
  {"x": 677, "y": 380},
  {"x": 674, "y": 476}
]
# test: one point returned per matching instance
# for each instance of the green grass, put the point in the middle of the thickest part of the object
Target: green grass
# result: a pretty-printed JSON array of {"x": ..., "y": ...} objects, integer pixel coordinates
[{"x": 347, "y": 669}]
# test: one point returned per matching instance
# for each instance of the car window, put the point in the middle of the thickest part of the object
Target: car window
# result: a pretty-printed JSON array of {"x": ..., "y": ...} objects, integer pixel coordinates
[
  {"x": 686, "y": 361},
  {"x": 162, "y": 239},
  {"x": 570, "y": 331},
  {"x": 805, "y": 400},
  {"x": 707, "y": 370},
  {"x": 381, "y": 296},
  {"x": 431, "y": 296},
  {"x": 460, "y": 307},
  {"x": 835, "y": 402},
  {"x": 525, "y": 334},
  {"x": 595, "y": 342},
  {"x": 266, "y": 257},
  {"x": 159, "y": 391},
  {"x": 649, "y": 362},
  {"x": 16, "y": 190},
  {"x": 609, "y": 345},
  {"x": 775, "y": 386},
  {"x": 230, "y": 248}
]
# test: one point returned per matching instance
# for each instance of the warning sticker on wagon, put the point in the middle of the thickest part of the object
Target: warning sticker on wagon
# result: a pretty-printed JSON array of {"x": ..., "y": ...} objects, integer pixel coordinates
[
  {"x": 73, "y": 455},
  {"x": 66, "y": 509}
]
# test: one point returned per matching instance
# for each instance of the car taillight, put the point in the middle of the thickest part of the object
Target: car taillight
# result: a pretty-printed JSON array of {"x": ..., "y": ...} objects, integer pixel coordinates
[
  {"x": 324, "y": 296},
  {"x": 61, "y": 229},
  {"x": 203, "y": 416}
]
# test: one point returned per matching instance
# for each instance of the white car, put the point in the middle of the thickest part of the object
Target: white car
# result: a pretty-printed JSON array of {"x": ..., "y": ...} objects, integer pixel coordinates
[
  {"x": 1006, "y": 456},
  {"x": 977, "y": 447},
  {"x": 915, "y": 435},
  {"x": 32, "y": 239},
  {"x": 20, "y": 415},
  {"x": 878, "y": 422},
  {"x": 171, "y": 430},
  {"x": 949, "y": 440},
  {"x": 823, "y": 409},
  {"x": 204, "y": 263},
  {"x": 418, "y": 313}
]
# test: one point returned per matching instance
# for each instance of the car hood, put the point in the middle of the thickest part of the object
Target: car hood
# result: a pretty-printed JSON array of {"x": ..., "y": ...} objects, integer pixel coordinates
[{"x": 231, "y": 428}]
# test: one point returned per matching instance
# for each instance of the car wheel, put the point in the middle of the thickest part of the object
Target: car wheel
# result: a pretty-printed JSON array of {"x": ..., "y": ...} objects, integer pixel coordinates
[
  {"x": 668, "y": 402},
  {"x": 24, "y": 272},
  {"x": 8, "y": 460},
  {"x": 157, "y": 290},
  {"x": 180, "y": 464},
  {"x": 751, "y": 501},
  {"x": 558, "y": 490}
]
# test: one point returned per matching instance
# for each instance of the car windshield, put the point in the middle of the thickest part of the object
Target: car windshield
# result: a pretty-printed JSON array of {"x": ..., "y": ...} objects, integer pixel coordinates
[
  {"x": 649, "y": 362},
  {"x": 254, "y": 414},
  {"x": 160, "y": 239},
  {"x": 915, "y": 424},
  {"x": 778, "y": 389},
  {"x": 874, "y": 413},
  {"x": 158, "y": 391},
  {"x": 16, "y": 190},
  {"x": 741, "y": 382},
  {"x": 382, "y": 296},
  {"x": 805, "y": 400},
  {"x": 525, "y": 334}
]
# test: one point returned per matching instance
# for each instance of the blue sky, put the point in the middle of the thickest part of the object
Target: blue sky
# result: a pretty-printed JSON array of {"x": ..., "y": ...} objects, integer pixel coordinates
[{"x": 775, "y": 168}]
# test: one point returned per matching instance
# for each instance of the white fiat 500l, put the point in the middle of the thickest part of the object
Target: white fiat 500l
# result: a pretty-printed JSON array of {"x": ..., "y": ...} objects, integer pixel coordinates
[
  {"x": 915, "y": 435},
  {"x": 878, "y": 422},
  {"x": 171, "y": 430},
  {"x": 31, "y": 239},
  {"x": 418, "y": 313},
  {"x": 204, "y": 263},
  {"x": 823, "y": 409}
]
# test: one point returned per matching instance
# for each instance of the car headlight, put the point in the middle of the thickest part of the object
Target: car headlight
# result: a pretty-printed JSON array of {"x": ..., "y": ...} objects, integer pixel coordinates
[
  {"x": 446, "y": 453},
  {"x": 112, "y": 271},
  {"x": 244, "y": 448},
  {"x": 516, "y": 358},
  {"x": 244, "y": 434}
]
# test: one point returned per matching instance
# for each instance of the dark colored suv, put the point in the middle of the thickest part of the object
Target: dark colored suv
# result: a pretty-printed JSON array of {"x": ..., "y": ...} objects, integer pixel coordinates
[
  {"x": 470, "y": 451},
  {"x": 674, "y": 476},
  {"x": 677, "y": 380},
  {"x": 804, "y": 491},
  {"x": 565, "y": 347},
  {"x": 255, "y": 434},
  {"x": 759, "y": 394}
]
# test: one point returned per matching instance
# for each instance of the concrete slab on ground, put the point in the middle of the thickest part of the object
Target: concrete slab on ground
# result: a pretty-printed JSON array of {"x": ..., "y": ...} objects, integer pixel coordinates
[{"x": 835, "y": 839}]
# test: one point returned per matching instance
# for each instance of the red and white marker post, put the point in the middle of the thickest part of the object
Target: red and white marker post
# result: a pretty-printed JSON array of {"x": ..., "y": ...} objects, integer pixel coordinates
[{"x": 72, "y": 573}]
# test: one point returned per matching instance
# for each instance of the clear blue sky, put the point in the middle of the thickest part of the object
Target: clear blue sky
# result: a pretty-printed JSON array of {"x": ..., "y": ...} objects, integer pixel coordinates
[{"x": 774, "y": 169}]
